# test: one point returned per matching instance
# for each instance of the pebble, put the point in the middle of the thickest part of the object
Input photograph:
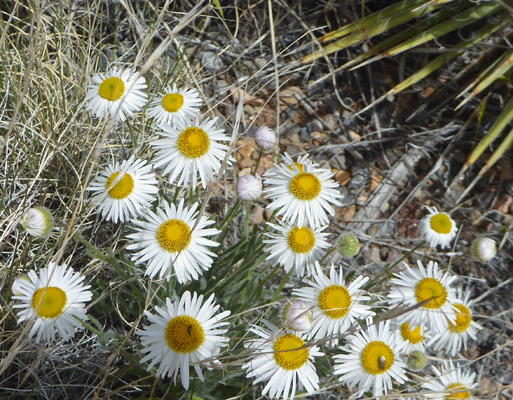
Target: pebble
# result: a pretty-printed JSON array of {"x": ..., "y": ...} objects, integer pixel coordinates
[{"x": 212, "y": 62}]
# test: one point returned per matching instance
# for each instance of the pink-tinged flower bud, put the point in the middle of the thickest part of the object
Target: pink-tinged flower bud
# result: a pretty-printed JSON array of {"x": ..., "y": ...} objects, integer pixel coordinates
[
  {"x": 16, "y": 285},
  {"x": 484, "y": 249},
  {"x": 249, "y": 187},
  {"x": 265, "y": 138},
  {"x": 37, "y": 221},
  {"x": 298, "y": 316}
]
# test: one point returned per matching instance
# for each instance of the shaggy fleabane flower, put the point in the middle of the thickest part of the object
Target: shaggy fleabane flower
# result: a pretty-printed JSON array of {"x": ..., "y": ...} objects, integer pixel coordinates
[
  {"x": 428, "y": 292},
  {"x": 455, "y": 336},
  {"x": 55, "y": 300},
  {"x": 283, "y": 360},
  {"x": 451, "y": 383},
  {"x": 184, "y": 333},
  {"x": 167, "y": 239},
  {"x": 412, "y": 337},
  {"x": 302, "y": 193},
  {"x": 296, "y": 246},
  {"x": 190, "y": 149},
  {"x": 373, "y": 360},
  {"x": 124, "y": 191},
  {"x": 438, "y": 228},
  {"x": 336, "y": 305},
  {"x": 175, "y": 105},
  {"x": 117, "y": 93},
  {"x": 37, "y": 221}
]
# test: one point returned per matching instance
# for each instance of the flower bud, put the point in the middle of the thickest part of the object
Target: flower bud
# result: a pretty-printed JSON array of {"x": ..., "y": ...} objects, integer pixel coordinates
[
  {"x": 249, "y": 187},
  {"x": 265, "y": 138},
  {"x": 349, "y": 245},
  {"x": 298, "y": 316},
  {"x": 484, "y": 249},
  {"x": 416, "y": 360},
  {"x": 37, "y": 221}
]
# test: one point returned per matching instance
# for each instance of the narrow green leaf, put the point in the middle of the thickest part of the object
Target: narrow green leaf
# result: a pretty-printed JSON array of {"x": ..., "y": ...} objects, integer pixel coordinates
[{"x": 500, "y": 123}]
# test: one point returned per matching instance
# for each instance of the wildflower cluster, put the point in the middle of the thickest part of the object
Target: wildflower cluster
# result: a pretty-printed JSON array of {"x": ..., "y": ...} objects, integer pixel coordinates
[{"x": 332, "y": 316}]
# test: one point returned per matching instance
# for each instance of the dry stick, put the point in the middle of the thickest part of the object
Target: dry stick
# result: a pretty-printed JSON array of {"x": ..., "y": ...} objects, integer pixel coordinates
[{"x": 276, "y": 76}]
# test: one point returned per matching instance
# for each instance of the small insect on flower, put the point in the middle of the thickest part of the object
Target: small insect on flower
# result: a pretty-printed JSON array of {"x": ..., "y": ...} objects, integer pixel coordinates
[
  {"x": 116, "y": 93},
  {"x": 124, "y": 191},
  {"x": 372, "y": 360},
  {"x": 438, "y": 228},
  {"x": 54, "y": 299},
  {"x": 175, "y": 105},
  {"x": 184, "y": 333},
  {"x": 37, "y": 221},
  {"x": 283, "y": 360}
]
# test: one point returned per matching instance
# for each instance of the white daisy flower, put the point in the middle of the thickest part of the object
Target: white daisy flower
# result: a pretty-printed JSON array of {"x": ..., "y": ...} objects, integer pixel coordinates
[
  {"x": 412, "y": 337},
  {"x": 428, "y": 293},
  {"x": 373, "y": 360},
  {"x": 437, "y": 228},
  {"x": 288, "y": 161},
  {"x": 302, "y": 193},
  {"x": 168, "y": 239},
  {"x": 296, "y": 246},
  {"x": 452, "y": 383},
  {"x": 116, "y": 92},
  {"x": 456, "y": 335},
  {"x": 283, "y": 360},
  {"x": 55, "y": 300},
  {"x": 175, "y": 105},
  {"x": 191, "y": 149},
  {"x": 37, "y": 221},
  {"x": 124, "y": 191},
  {"x": 336, "y": 306},
  {"x": 185, "y": 332}
]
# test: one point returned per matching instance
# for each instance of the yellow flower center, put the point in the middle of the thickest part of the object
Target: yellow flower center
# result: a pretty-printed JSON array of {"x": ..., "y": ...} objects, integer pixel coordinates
[
  {"x": 174, "y": 235},
  {"x": 49, "y": 302},
  {"x": 172, "y": 102},
  {"x": 457, "y": 391},
  {"x": 463, "y": 319},
  {"x": 123, "y": 188},
  {"x": 193, "y": 142},
  {"x": 112, "y": 89},
  {"x": 431, "y": 289},
  {"x": 335, "y": 301},
  {"x": 412, "y": 336},
  {"x": 299, "y": 166},
  {"x": 289, "y": 352},
  {"x": 301, "y": 240},
  {"x": 305, "y": 186},
  {"x": 441, "y": 223},
  {"x": 377, "y": 357},
  {"x": 184, "y": 334}
]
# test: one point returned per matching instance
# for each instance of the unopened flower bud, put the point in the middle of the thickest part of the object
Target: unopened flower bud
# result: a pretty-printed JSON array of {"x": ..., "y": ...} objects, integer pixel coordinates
[
  {"x": 298, "y": 316},
  {"x": 265, "y": 138},
  {"x": 416, "y": 360},
  {"x": 249, "y": 187},
  {"x": 484, "y": 249},
  {"x": 37, "y": 221},
  {"x": 348, "y": 245}
]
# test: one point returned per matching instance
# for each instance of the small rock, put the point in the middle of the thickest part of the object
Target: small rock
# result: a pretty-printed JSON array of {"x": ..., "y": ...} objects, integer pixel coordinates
[
  {"x": 304, "y": 135},
  {"x": 256, "y": 215},
  {"x": 212, "y": 62}
]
